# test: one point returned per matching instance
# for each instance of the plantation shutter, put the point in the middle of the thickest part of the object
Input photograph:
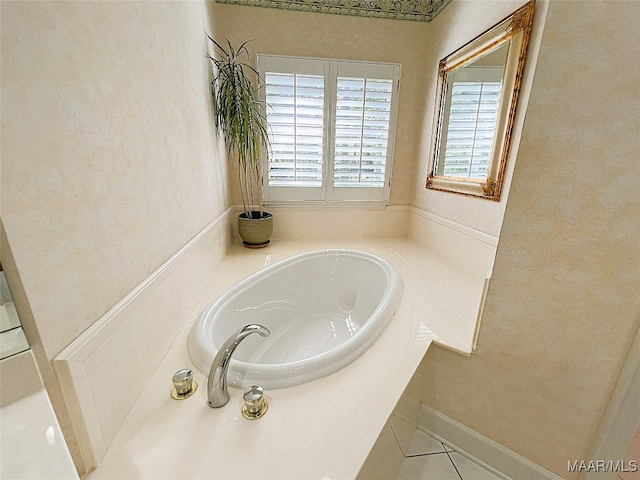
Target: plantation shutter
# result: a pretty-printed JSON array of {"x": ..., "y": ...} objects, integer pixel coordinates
[
  {"x": 331, "y": 128},
  {"x": 295, "y": 115},
  {"x": 294, "y": 92},
  {"x": 472, "y": 114},
  {"x": 363, "y": 110},
  {"x": 364, "y": 123}
]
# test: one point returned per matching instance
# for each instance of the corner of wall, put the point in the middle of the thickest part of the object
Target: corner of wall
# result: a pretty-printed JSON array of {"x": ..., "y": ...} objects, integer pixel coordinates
[
  {"x": 37, "y": 358},
  {"x": 89, "y": 369}
]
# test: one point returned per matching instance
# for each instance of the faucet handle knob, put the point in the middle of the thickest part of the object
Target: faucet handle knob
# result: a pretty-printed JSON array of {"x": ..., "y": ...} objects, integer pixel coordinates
[
  {"x": 254, "y": 395},
  {"x": 255, "y": 405},
  {"x": 183, "y": 384}
]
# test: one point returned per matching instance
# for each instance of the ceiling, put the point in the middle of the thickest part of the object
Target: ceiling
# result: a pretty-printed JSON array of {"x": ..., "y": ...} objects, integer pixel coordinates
[{"x": 413, "y": 10}]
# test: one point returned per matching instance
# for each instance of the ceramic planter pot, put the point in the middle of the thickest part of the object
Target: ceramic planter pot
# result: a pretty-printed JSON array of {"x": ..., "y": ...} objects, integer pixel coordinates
[{"x": 256, "y": 230}]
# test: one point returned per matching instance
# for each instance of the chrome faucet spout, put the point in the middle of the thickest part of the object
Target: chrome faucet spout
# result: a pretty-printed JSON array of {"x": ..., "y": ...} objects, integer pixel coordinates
[{"x": 218, "y": 394}]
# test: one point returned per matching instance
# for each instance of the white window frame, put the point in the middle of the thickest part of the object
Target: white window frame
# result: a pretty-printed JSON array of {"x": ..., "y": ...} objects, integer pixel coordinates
[{"x": 331, "y": 69}]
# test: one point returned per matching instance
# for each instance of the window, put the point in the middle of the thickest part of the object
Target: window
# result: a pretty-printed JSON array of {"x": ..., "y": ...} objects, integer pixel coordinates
[{"x": 331, "y": 125}]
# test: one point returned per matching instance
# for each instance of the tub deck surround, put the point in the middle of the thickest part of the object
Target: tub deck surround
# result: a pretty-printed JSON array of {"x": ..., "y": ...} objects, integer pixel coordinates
[
  {"x": 31, "y": 441},
  {"x": 322, "y": 309},
  {"x": 324, "y": 428}
]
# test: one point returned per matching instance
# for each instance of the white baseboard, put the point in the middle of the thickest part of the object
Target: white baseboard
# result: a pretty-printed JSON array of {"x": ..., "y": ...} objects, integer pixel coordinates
[
  {"x": 482, "y": 450},
  {"x": 103, "y": 372}
]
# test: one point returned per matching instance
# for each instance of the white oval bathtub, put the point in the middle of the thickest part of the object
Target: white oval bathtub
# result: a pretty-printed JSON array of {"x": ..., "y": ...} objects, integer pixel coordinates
[{"x": 323, "y": 308}]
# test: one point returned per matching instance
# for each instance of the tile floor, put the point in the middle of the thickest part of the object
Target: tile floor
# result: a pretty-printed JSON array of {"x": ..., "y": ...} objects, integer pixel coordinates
[{"x": 428, "y": 459}]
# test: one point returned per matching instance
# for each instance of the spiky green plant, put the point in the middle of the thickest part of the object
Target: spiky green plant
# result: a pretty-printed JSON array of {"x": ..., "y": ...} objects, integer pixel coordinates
[{"x": 240, "y": 118}]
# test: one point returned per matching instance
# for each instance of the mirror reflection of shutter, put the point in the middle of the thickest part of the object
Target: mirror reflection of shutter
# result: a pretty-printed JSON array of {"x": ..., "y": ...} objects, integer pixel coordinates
[
  {"x": 473, "y": 103},
  {"x": 472, "y": 123},
  {"x": 296, "y": 119}
]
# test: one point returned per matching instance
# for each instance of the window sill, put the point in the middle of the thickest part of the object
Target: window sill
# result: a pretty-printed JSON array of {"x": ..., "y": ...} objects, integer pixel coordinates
[{"x": 328, "y": 205}]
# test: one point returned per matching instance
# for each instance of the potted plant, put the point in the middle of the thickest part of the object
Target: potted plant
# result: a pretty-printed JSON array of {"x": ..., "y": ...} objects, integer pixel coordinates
[{"x": 241, "y": 119}]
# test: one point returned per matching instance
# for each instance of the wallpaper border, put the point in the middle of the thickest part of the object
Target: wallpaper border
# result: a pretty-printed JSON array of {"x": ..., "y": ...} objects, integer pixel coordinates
[{"x": 413, "y": 10}]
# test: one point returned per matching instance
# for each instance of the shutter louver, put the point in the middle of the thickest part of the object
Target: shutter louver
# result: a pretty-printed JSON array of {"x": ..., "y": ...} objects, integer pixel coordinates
[
  {"x": 296, "y": 119},
  {"x": 331, "y": 128},
  {"x": 363, "y": 113},
  {"x": 472, "y": 123}
]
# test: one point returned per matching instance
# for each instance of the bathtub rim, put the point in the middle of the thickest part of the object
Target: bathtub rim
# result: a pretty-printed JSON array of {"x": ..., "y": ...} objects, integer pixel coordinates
[{"x": 278, "y": 375}]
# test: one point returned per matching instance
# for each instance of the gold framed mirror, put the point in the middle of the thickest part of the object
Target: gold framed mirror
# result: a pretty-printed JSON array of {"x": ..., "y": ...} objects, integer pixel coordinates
[{"x": 476, "y": 99}]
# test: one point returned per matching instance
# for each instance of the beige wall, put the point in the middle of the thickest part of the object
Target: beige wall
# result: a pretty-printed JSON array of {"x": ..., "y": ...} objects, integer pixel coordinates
[
  {"x": 460, "y": 22},
  {"x": 285, "y": 32},
  {"x": 563, "y": 305},
  {"x": 109, "y": 164}
]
